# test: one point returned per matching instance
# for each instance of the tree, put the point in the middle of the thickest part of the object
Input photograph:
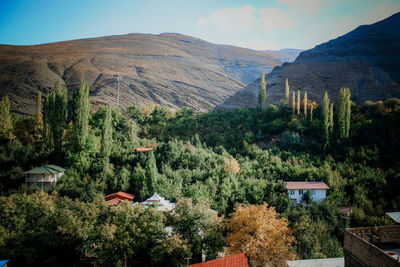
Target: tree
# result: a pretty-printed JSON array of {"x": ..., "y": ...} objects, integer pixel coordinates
[
  {"x": 80, "y": 116},
  {"x": 293, "y": 102},
  {"x": 55, "y": 116},
  {"x": 298, "y": 103},
  {"x": 306, "y": 198},
  {"x": 260, "y": 234},
  {"x": 200, "y": 226},
  {"x": 5, "y": 118},
  {"x": 343, "y": 111},
  {"x": 305, "y": 102},
  {"x": 325, "y": 119},
  {"x": 311, "y": 112},
  {"x": 106, "y": 136},
  {"x": 331, "y": 118},
  {"x": 151, "y": 173},
  {"x": 287, "y": 91},
  {"x": 38, "y": 116},
  {"x": 262, "y": 94}
]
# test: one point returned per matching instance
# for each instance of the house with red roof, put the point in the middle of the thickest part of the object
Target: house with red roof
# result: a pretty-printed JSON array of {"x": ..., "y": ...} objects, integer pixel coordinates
[
  {"x": 296, "y": 190},
  {"x": 237, "y": 260},
  {"x": 116, "y": 198}
]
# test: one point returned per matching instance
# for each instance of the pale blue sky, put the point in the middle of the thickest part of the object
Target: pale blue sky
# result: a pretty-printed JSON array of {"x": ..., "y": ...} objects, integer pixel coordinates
[{"x": 268, "y": 24}]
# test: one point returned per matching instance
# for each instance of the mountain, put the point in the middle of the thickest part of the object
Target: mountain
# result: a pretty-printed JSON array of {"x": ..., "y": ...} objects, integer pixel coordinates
[
  {"x": 169, "y": 69},
  {"x": 366, "y": 59},
  {"x": 285, "y": 54}
]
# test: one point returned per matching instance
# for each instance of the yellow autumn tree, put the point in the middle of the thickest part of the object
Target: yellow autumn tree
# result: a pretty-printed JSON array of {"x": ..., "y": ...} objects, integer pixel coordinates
[
  {"x": 231, "y": 165},
  {"x": 260, "y": 234}
]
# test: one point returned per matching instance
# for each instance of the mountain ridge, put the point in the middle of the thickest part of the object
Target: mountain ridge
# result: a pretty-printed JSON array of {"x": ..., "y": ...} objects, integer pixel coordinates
[
  {"x": 366, "y": 59},
  {"x": 167, "y": 69}
]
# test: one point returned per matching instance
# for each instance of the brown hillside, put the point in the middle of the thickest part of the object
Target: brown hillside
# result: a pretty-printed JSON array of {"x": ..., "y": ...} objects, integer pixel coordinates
[{"x": 168, "y": 69}]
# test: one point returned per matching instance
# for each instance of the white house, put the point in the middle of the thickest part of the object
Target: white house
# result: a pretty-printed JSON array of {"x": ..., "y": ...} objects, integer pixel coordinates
[
  {"x": 157, "y": 201},
  {"x": 43, "y": 177},
  {"x": 296, "y": 191}
]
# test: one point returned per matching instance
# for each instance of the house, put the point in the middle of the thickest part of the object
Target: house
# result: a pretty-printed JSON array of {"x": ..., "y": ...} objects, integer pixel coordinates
[
  {"x": 395, "y": 216},
  {"x": 43, "y": 177},
  {"x": 157, "y": 201},
  {"x": 296, "y": 190},
  {"x": 237, "y": 260},
  {"x": 372, "y": 246},
  {"x": 143, "y": 149},
  {"x": 118, "y": 197}
]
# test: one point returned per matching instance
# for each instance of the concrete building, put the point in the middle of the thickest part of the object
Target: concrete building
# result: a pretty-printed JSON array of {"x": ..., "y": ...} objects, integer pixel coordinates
[
  {"x": 372, "y": 246},
  {"x": 43, "y": 177},
  {"x": 296, "y": 190}
]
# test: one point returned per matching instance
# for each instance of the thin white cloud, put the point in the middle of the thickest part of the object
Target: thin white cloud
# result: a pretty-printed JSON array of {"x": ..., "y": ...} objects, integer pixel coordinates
[
  {"x": 246, "y": 17},
  {"x": 259, "y": 45},
  {"x": 310, "y": 5},
  {"x": 273, "y": 18},
  {"x": 230, "y": 19}
]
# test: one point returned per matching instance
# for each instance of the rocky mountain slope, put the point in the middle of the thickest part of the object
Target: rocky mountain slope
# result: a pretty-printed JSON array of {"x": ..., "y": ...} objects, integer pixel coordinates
[
  {"x": 366, "y": 59},
  {"x": 285, "y": 54},
  {"x": 168, "y": 69}
]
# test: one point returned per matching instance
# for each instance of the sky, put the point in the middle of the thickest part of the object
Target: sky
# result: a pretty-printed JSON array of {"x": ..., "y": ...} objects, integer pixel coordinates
[{"x": 260, "y": 25}]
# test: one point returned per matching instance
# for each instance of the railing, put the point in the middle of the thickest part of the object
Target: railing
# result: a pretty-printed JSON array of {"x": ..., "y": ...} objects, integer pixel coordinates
[{"x": 40, "y": 180}]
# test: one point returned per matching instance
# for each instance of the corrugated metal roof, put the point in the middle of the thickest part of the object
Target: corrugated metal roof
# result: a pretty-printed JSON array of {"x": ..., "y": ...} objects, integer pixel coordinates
[
  {"x": 394, "y": 215},
  {"x": 49, "y": 169},
  {"x": 237, "y": 260},
  {"x": 306, "y": 185},
  {"x": 330, "y": 262}
]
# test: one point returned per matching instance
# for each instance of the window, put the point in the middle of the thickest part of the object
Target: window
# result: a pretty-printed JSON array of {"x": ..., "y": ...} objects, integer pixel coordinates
[
  {"x": 291, "y": 192},
  {"x": 300, "y": 192}
]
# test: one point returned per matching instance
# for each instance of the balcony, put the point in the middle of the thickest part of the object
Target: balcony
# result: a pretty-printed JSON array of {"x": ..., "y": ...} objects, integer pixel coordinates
[{"x": 40, "y": 180}]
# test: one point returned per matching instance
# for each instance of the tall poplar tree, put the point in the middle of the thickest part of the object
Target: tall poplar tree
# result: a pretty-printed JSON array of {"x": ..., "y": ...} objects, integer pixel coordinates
[
  {"x": 325, "y": 119},
  {"x": 311, "y": 112},
  {"x": 55, "y": 116},
  {"x": 81, "y": 114},
  {"x": 151, "y": 173},
  {"x": 262, "y": 94},
  {"x": 293, "y": 102},
  {"x": 305, "y": 102},
  {"x": 38, "y": 117},
  {"x": 298, "y": 103},
  {"x": 106, "y": 136},
  {"x": 331, "y": 118},
  {"x": 343, "y": 111},
  {"x": 287, "y": 91},
  {"x": 5, "y": 118}
]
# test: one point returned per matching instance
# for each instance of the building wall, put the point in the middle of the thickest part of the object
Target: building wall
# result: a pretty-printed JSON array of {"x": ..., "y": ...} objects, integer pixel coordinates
[
  {"x": 316, "y": 195},
  {"x": 359, "y": 251}
]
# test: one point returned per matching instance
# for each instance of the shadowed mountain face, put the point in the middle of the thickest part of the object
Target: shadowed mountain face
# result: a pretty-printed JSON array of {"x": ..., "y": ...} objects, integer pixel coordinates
[
  {"x": 168, "y": 69},
  {"x": 366, "y": 59}
]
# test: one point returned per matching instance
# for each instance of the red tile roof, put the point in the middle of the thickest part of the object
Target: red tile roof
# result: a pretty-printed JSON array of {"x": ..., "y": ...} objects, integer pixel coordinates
[
  {"x": 119, "y": 195},
  {"x": 143, "y": 149},
  {"x": 306, "y": 185},
  {"x": 237, "y": 260},
  {"x": 152, "y": 145}
]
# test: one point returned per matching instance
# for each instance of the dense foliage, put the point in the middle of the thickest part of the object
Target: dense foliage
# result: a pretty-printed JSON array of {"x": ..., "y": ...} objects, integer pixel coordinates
[{"x": 203, "y": 162}]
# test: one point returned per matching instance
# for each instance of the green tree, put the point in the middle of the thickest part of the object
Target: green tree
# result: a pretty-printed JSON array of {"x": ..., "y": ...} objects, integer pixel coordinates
[
  {"x": 343, "y": 111},
  {"x": 298, "y": 103},
  {"x": 200, "y": 226},
  {"x": 293, "y": 102},
  {"x": 331, "y": 118},
  {"x": 262, "y": 94},
  {"x": 106, "y": 136},
  {"x": 38, "y": 116},
  {"x": 311, "y": 112},
  {"x": 80, "y": 116},
  {"x": 305, "y": 103},
  {"x": 55, "y": 116},
  {"x": 287, "y": 91},
  {"x": 325, "y": 119},
  {"x": 5, "y": 118},
  {"x": 151, "y": 173}
]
